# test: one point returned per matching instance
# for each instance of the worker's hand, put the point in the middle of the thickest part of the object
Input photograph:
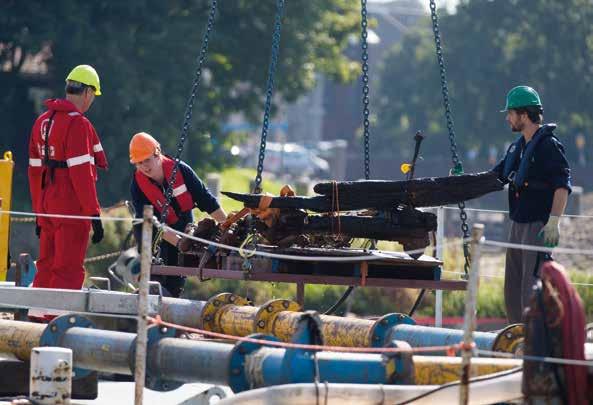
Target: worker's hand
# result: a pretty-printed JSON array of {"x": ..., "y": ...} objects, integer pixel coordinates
[
  {"x": 97, "y": 229},
  {"x": 551, "y": 232}
]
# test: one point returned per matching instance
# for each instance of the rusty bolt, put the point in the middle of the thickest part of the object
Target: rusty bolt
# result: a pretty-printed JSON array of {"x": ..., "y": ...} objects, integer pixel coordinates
[
  {"x": 509, "y": 335},
  {"x": 232, "y": 298},
  {"x": 261, "y": 324},
  {"x": 285, "y": 304},
  {"x": 269, "y": 308}
]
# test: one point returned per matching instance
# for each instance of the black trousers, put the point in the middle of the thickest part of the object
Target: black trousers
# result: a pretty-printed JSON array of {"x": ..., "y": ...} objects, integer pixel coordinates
[{"x": 172, "y": 285}]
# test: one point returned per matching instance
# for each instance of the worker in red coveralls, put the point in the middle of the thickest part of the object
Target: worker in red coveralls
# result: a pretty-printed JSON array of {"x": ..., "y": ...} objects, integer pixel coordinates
[{"x": 64, "y": 153}]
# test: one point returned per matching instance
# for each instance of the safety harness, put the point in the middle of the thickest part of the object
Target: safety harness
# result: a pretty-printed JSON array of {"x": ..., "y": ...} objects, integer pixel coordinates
[
  {"x": 522, "y": 153},
  {"x": 50, "y": 164},
  {"x": 155, "y": 194}
]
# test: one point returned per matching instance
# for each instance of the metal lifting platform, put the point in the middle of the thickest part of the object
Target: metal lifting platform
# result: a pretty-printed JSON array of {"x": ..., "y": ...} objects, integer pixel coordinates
[{"x": 383, "y": 269}]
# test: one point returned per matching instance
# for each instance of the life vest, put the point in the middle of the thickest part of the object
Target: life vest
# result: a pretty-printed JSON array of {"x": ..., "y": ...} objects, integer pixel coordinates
[
  {"x": 155, "y": 194},
  {"x": 518, "y": 178}
]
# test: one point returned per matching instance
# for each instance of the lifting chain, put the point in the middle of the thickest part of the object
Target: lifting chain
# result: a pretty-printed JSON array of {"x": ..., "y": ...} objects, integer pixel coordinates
[
  {"x": 269, "y": 93},
  {"x": 365, "y": 96},
  {"x": 257, "y": 189},
  {"x": 365, "y": 88},
  {"x": 188, "y": 116},
  {"x": 457, "y": 165}
]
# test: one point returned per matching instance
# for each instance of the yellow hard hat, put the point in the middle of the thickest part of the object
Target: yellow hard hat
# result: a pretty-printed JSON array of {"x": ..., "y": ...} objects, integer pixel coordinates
[
  {"x": 142, "y": 146},
  {"x": 86, "y": 74}
]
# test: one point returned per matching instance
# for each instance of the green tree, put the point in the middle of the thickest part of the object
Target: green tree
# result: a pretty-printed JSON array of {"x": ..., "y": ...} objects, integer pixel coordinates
[
  {"x": 146, "y": 53},
  {"x": 489, "y": 47}
]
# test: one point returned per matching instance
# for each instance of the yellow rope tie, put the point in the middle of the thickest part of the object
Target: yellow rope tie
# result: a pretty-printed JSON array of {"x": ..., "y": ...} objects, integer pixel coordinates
[
  {"x": 157, "y": 241},
  {"x": 242, "y": 252}
]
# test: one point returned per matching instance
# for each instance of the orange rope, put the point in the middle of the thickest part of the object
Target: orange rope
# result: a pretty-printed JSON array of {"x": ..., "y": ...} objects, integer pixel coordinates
[
  {"x": 447, "y": 349},
  {"x": 335, "y": 212}
]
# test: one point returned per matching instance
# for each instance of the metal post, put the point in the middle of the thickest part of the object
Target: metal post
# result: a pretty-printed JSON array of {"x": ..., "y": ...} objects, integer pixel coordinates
[
  {"x": 440, "y": 241},
  {"x": 300, "y": 294},
  {"x": 145, "y": 262},
  {"x": 469, "y": 323}
]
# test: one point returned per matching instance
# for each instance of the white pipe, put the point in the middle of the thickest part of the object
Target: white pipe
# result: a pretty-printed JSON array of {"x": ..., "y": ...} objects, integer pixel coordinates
[
  {"x": 440, "y": 242},
  {"x": 501, "y": 387},
  {"x": 50, "y": 379}
]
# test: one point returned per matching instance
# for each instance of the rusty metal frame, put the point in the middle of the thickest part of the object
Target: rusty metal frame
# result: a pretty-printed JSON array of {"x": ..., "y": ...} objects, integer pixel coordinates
[{"x": 449, "y": 285}]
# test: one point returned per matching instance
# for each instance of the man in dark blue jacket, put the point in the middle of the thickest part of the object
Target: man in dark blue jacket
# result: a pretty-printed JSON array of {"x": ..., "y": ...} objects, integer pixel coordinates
[
  {"x": 538, "y": 175},
  {"x": 152, "y": 176}
]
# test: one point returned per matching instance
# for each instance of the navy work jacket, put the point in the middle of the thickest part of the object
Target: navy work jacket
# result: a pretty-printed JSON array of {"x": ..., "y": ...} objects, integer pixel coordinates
[
  {"x": 203, "y": 199},
  {"x": 541, "y": 168}
]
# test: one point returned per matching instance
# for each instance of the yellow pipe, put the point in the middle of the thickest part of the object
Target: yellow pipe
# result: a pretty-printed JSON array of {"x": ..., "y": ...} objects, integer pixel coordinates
[
  {"x": 236, "y": 320},
  {"x": 337, "y": 331},
  {"x": 437, "y": 370},
  {"x": 19, "y": 338}
]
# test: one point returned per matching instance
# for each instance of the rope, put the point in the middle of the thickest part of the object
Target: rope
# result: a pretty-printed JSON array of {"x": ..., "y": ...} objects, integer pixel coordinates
[
  {"x": 507, "y": 213},
  {"x": 554, "y": 360},
  {"x": 27, "y": 219},
  {"x": 568, "y": 251},
  {"x": 101, "y": 257},
  {"x": 119, "y": 219},
  {"x": 499, "y": 276},
  {"x": 378, "y": 255},
  {"x": 287, "y": 345},
  {"x": 335, "y": 214}
]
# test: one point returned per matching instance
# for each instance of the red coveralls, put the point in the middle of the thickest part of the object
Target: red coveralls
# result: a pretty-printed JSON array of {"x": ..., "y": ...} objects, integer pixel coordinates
[{"x": 62, "y": 176}]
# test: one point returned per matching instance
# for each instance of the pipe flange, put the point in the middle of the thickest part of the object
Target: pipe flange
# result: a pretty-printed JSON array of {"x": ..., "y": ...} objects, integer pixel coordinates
[
  {"x": 55, "y": 330},
  {"x": 399, "y": 366},
  {"x": 264, "y": 318},
  {"x": 214, "y": 304},
  {"x": 380, "y": 330},
  {"x": 153, "y": 379},
  {"x": 238, "y": 381},
  {"x": 510, "y": 340}
]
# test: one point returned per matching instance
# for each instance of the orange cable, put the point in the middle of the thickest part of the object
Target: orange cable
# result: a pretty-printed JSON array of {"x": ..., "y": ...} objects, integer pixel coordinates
[{"x": 158, "y": 321}]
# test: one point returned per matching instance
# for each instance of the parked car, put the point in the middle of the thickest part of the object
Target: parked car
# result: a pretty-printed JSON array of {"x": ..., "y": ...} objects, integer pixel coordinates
[{"x": 294, "y": 159}]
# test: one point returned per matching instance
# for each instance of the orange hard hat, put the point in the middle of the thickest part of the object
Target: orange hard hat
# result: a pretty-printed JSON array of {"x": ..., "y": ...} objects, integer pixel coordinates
[{"x": 142, "y": 146}]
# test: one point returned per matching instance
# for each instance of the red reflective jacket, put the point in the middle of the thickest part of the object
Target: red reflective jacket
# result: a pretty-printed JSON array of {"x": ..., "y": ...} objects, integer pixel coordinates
[
  {"x": 155, "y": 195},
  {"x": 62, "y": 169}
]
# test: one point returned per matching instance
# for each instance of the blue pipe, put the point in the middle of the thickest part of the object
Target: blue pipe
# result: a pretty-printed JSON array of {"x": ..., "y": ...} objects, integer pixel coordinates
[{"x": 424, "y": 336}]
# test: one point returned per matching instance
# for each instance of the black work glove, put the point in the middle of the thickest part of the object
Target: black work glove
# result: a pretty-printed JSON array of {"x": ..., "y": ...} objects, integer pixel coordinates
[
  {"x": 97, "y": 229},
  {"x": 37, "y": 230}
]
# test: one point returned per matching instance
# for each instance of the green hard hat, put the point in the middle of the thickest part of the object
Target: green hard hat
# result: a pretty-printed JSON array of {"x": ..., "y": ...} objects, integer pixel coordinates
[{"x": 522, "y": 96}]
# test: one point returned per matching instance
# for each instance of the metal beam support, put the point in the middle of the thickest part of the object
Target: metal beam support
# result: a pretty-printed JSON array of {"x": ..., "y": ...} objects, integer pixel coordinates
[{"x": 83, "y": 301}]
